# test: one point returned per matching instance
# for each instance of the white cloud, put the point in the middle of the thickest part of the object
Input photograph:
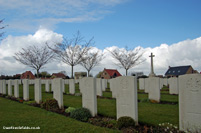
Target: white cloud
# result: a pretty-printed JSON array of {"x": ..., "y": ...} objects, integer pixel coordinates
[
  {"x": 23, "y": 15},
  {"x": 186, "y": 52},
  {"x": 11, "y": 45}
]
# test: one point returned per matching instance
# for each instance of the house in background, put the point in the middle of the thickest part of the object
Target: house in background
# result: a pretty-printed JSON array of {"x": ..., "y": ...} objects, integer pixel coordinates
[
  {"x": 58, "y": 75},
  {"x": 179, "y": 70},
  {"x": 110, "y": 73},
  {"x": 27, "y": 75},
  {"x": 79, "y": 75}
]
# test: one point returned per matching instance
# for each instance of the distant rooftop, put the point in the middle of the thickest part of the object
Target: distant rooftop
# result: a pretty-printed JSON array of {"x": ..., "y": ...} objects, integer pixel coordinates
[{"x": 178, "y": 70}]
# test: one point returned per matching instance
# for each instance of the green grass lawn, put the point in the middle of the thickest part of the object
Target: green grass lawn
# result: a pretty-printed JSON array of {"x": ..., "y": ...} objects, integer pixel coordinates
[
  {"x": 16, "y": 114},
  {"x": 149, "y": 113}
]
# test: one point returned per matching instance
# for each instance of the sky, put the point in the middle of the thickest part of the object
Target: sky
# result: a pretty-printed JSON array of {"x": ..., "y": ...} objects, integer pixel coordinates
[{"x": 169, "y": 28}]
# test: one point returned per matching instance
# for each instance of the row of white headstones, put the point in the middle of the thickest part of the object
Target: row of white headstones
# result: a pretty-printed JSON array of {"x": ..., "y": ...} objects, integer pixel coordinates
[
  {"x": 124, "y": 89},
  {"x": 153, "y": 85}
]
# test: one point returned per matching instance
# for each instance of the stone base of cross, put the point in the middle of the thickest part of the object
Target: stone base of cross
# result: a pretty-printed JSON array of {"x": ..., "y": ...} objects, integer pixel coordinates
[{"x": 152, "y": 75}]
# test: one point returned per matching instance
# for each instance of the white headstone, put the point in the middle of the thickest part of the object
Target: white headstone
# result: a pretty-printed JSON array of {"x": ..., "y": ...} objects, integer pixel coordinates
[
  {"x": 58, "y": 91},
  {"x": 89, "y": 99},
  {"x": 51, "y": 85},
  {"x": 154, "y": 88},
  {"x": 161, "y": 83},
  {"x": 43, "y": 81},
  {"x": 169, "y": 81},
  {"x": 31, "y": 81},
  {"x": 63, "y": 86},
  {"x": 10, "y": 87},
  {"x": 146, "y": 85},
  {"x": 37, "y": 90},
  {"x": 4, "y": 86},
  {"x": 20, "y": 81},
  {"x": 71, "y": 86},
  {"x": 99, "y": 86},
  {"x": 165, "y": 81},
  {"x": 16, "y": 88},
  {"x": 127, "y": 104},
  {"x": 104, "y": 84},
  {"x": 1, "y": 86},
  {"x": 26, "y": 89},
  {"x": 13, "y": 83},
  {"x": 113, "y": 87},
  {"x": 80, "y": 87},
  {"x": 47, "y": 85},
  {"x": 141, "y": 83},
  {"x": 76, "y": 81},
  {"x": 190, "y": 102},
  {"x": 174, "y": 85},
  {"x": 108, "y": 80},
  {"x": 66, "y": 81}
]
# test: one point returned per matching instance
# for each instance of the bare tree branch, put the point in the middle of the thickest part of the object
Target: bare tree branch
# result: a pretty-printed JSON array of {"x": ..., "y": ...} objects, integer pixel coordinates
[
  {"x": 91, "y": 60},
  {"x": 127, "y": 58},
  {"x": 72, "y": 50},
  {"x": 35, "y": 57},
  {"x": 1, "y": 34}
]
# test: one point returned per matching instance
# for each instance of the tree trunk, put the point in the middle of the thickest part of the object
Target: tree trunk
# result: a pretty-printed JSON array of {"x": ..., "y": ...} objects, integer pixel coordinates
[
  {"x": 126, "y": 72},
  {"x": 88, "y": 72},
  {"x": 37, "y": 73},
  {"x": 72, "y": 72}
]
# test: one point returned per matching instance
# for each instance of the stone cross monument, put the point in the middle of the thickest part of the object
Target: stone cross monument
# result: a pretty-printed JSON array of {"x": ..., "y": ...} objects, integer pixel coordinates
[{"x": 152, "y": 74}]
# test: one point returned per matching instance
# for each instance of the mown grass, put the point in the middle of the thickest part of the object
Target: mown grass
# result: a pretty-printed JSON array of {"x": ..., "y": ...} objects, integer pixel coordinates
[
  {"x": 149, "y": 113},
  {"x": 16, "y": 114}
]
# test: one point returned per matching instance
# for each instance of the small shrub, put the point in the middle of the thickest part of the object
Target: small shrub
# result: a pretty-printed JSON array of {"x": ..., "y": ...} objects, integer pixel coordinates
[
  {"x": 21, "y": 101},
  {"x": 50, "y": 104},
  {"x": 124, "y": 122},
  {"x": 18, "y": 99},
  {"x": 103, "y": 122},
  {"x": 166, "y": 128},
  {"x": 154, "y": 101},
  {"x": 81, "y": 114},
  {"x": 69, "y": 109}
]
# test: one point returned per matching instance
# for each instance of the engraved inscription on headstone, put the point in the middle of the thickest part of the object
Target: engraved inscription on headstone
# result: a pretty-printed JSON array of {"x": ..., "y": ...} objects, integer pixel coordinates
[
  {"x": 189, "y": 101},
  {"x": 126, "y": 101}
]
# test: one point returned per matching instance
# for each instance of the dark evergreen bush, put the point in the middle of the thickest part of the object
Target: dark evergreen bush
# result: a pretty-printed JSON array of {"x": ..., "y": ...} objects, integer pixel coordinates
[
  {"x": 124, "y": 122},
  {"x": 70, "y": 109},
  {"x": 81, "y": 114},
  {"x": 50, "y": 104}
]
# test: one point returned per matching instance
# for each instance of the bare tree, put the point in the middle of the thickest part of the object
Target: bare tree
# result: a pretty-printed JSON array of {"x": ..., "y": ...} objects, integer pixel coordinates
[
  {"x": 91, "y": 60},
  {"x": 1, "y": 34},
  {"x": 72, "y": 50},
  {"x": 35, "y": 57},
  {"x": 127, "y": 58}
]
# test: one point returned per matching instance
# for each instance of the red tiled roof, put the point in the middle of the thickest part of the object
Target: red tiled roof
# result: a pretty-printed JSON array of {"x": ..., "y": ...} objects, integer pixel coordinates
[
  {"x": 27, "y": 74},
  {"x": 59, "y": 75},
  {"x": 111, "y": 72}
]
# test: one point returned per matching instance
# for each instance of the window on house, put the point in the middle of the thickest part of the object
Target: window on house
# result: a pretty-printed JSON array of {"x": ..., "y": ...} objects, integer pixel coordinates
[
  {"x": 178, "y": 71},
  {"x": 169, "y": 71},
  {"x": 173, "y": 71}
]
